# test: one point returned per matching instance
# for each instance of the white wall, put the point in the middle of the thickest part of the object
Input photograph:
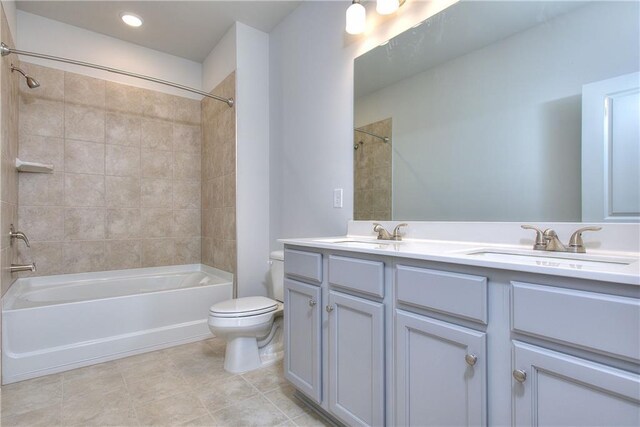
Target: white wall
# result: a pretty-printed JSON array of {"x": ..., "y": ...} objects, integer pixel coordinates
[
  {"x": 43, "y": 35},
  {"x": 495, "y": 135},
  {"x": 311, "y": 103},
  {"x": 252, "y": 177},
  {"x": 221, "y": 61}
]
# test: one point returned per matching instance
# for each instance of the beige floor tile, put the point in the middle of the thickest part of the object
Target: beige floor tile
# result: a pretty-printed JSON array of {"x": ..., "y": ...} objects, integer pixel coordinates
[
  {"x": 157, "y": 387},
  {"x": 288, "y": 423},
  {"x": 268, "y": 378},
  {"x": 40, "y": 417},
  {"x": 253, "y": 412},
  {"x": 283, "y": 397},
  {"x": 30, "y": 395},
  {"x": 172, "y": 411},
  {"x": 93, "y": 371},
  {"x": 203, "y": 421},
  {"x": 226, "y": 393},
  {"x": 88, "y": 385},
  {"x": 153, "y": 367},
  {"x": 138, "y": 359},
  {"x": 99, "y": 409}
]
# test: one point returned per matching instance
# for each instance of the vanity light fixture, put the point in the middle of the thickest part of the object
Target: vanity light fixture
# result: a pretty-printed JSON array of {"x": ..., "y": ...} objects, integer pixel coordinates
[
  {"x": 130, "y": 19},
  {"x": 356, "y": 18},
  {"x": 357, "y": 15}
]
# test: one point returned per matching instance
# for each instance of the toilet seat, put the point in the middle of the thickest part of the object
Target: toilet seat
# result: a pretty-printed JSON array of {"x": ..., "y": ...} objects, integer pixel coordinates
[{"x": 243, "y": 307}]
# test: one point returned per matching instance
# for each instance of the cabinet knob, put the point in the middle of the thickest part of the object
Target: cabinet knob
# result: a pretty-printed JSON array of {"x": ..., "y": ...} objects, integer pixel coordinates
[
  {"x": 520, "y": 375},
  {"x": 329, "y": 308},
  {"x": 312, "y": 303},
  {"x": 471, "y": 359}
]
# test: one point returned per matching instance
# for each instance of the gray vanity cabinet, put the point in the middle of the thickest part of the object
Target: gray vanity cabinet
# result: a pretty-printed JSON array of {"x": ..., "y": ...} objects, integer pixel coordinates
[
  {"x": 556, "y": 389},
  {"x": 356, "y": 359},
  {"x": 440, "y": 373},
  {"x": 302, "y": 332}
]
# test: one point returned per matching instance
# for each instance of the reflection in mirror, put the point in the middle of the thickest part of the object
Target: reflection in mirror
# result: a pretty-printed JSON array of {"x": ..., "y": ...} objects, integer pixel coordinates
[{"x": 486, "y": 101}]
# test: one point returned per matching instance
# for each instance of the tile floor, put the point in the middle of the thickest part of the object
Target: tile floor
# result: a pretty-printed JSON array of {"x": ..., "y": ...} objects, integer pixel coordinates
[{"x": 185, "y": 385}]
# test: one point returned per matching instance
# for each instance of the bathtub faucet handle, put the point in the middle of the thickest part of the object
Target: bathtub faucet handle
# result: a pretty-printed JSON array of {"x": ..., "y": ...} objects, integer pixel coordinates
[{"x": 13, "y": 234}]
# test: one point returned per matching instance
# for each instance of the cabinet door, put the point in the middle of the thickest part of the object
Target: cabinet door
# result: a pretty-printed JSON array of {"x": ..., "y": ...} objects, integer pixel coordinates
[
  {"x": 561, "y": 390},
  {"x": 440, "y": 373},
  {"x": 356, "y": 359},
  {"x": 302, "y": 315}
]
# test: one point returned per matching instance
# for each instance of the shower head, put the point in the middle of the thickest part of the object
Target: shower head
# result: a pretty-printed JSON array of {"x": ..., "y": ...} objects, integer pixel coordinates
[{"x": 31, "y": 82}]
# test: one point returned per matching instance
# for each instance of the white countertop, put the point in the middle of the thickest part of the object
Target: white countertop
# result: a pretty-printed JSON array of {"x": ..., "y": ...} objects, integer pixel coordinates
[{"x": 517, "y": 258}]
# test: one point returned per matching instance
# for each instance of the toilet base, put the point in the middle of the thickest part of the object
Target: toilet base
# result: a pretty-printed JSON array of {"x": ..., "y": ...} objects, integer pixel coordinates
[{"x": 243, "y": 354}]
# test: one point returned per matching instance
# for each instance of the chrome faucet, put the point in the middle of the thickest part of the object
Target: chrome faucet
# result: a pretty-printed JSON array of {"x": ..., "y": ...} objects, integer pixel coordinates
[
  {"x": 13, "y": 234},
  {"x": 383, "y": 234},
  {"x": 548, "y": 240},
  {"x": 16, "y": 268}
]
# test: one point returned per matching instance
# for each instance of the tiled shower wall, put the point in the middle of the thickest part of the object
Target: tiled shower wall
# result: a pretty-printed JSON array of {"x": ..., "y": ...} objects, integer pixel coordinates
[
  {"x": 9, "y": 149},
  {"x": 125, "y": 191},
  {"x": 219, "y": 179},
  {"x": 372, "y": 173}
]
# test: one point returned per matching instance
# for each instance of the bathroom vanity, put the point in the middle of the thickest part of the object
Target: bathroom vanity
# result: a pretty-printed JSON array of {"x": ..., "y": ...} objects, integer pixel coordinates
[{"x": 425, "y": 332}]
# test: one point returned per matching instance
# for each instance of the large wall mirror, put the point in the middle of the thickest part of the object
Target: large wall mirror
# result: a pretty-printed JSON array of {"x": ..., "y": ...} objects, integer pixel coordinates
[{"x": 502, "y": 111}]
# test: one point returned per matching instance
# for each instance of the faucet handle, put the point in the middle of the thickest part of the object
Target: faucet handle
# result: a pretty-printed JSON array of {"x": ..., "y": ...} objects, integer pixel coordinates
[
  {"x": 541, "y": 242},
  {"x": 396, "y": 231},
  {"x": 383, "y": 234},
  {"x": 575, "y": 242}
]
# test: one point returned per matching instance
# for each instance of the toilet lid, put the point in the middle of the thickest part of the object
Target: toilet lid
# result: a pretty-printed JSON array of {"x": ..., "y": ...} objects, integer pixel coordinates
[{"x": 241, "y": 307}]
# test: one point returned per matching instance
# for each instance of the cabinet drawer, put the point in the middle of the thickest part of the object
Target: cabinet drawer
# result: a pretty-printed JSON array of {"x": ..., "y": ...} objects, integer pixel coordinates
[
  {"x": 357, "y": 274},
  {"x": 456, "y": 294},
  {"x": 304, "y": 265},
  {"x": 600, "y": 322}
]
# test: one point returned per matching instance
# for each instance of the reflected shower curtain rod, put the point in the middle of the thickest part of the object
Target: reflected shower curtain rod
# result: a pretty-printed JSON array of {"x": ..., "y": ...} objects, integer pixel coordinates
[
  {"x": 383, "y": 138},
  {"x": 6, "y": 50}
]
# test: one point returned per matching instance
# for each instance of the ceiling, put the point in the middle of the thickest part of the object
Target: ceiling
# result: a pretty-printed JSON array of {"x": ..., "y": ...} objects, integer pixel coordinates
[{"x": 189, "y": 29}]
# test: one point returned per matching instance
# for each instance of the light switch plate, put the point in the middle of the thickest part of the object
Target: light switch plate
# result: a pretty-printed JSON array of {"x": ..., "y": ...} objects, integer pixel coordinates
[{"x": 337, "y": 198}]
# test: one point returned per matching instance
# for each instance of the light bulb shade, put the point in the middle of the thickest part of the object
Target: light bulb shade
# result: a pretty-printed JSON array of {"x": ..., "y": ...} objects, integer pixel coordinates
[
  {"x": 387, "y": 7},
  {"x": 356, "y": 18}
]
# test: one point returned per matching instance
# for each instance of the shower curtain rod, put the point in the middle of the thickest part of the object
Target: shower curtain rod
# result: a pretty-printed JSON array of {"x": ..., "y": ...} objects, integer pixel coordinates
[
  {"x": 6, "y": 50},
  {"x": 384, "y": 138}
]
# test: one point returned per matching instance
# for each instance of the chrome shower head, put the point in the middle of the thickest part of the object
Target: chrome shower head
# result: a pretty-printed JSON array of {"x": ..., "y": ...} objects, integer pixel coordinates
[{"x": 31, "y": 82}]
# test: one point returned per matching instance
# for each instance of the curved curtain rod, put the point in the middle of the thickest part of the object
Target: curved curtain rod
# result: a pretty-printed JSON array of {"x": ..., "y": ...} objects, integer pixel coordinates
[
  {"x": 383, "y": 138},
  {"x": 6, "y": 50}
]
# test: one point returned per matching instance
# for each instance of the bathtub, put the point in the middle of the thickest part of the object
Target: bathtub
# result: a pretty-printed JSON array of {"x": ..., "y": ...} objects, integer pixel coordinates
[{"x": 56, "y": 323}]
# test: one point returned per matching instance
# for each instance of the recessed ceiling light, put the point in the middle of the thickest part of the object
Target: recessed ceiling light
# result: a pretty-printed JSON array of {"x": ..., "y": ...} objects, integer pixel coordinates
[{"x": 131, "y": 19}]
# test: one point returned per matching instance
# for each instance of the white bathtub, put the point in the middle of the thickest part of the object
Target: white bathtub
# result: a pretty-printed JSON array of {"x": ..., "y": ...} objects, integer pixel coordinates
[{"x": 56, "y": 323}]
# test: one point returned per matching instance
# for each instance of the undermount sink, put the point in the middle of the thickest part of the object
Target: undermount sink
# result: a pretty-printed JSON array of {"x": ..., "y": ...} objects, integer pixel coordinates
[{"x": 550, "y": 258}]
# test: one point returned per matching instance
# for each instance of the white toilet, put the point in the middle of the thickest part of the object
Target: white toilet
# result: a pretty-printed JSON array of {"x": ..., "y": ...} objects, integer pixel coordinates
[{"x": 252, "y": 326}]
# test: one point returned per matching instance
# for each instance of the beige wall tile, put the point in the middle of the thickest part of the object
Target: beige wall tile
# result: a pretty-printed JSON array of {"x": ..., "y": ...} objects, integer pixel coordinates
[
  {"x": 229, "y": 184},
  {"x": 42, "y": 223},
  {"x": 83, "y": 157},
  {"x": 187, "y": 251},
  {"x": 157, "y": 252},
  {"x": 157, "y": 164},
  {"x": 84, "y": 123},
  {"x": 186, "y": 138},
  {"x": 122, "y": 192},
  {"x": 186, "y": 223},
  {"x": 122, "y": 160},
  {"x": 84, "y": 256},
  {"x": 156, "y": 193},
  {"x": 123, "y": 223},
  {"x": 8, "y": 216},
  {"x": 158, "y": 105},
  {"x": 41, "y": 189},
  {"x": 186, "y": 194},
  {"x": 41, "y": 116},
  {"x": 42, "y": 149},
  {"x": 79, "y": 89},
  {"x": 123, "y": 98},
  {"x": 157, "y": 134},
  {"x": 122, "y": 129},
  {"x": 157, "y": 222},
  {"x": 122, "y": 254},
  {"x": 186, "y": 166},
  {"x": 48, "y": 256},
  {"x": 187, "y": 110},
  {"x": 229, "y": 223},
  {"x": 83, "y": 190},
  {"x": 84, "y": 224},
  {"x": 9, "y": 179}
]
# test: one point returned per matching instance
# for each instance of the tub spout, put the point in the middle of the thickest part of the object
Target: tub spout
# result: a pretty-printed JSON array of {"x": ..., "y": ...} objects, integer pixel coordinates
[{"x": 16, "y": 268}]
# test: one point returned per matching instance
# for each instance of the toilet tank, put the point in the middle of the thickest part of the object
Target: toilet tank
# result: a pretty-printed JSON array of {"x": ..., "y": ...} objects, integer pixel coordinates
[{"x": 277, "y": 275}]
